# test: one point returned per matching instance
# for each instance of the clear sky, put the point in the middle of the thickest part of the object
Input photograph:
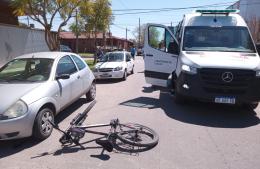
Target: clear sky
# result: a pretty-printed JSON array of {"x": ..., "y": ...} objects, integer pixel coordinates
[{"x": 121, "y": 22}]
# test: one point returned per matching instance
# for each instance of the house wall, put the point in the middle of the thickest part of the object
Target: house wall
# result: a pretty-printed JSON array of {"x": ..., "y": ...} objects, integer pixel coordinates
[
  {"x": 249, "y": 10},
  {"x": 16, "y": 41}
]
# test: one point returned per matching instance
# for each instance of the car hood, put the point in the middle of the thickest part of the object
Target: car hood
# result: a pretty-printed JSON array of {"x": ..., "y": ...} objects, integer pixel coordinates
[
  {"x": 108, "y": 65},
  {"x": 222, "y": 59},
  {"x": 11, "y": 93}
]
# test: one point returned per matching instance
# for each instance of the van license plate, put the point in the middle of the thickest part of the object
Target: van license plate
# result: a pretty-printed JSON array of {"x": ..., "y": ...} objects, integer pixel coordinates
[{"x": 227, "y": 100}]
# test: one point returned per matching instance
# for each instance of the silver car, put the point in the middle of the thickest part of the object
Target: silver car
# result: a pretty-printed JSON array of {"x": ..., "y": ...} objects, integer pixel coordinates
[{"x": 35, "y": 87}]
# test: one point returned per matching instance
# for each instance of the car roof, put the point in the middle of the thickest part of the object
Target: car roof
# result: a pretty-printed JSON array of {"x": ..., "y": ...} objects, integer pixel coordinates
[
  {"x": 118, "y": 52},
  {"x": 47, "y": 55}
]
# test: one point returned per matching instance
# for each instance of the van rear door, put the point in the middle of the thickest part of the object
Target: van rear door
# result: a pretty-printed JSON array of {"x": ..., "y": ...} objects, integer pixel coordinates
[{"x": 161, "y": 51}]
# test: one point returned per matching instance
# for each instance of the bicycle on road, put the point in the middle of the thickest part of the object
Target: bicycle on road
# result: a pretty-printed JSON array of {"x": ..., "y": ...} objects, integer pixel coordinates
[{"x": 129, "y": 133}]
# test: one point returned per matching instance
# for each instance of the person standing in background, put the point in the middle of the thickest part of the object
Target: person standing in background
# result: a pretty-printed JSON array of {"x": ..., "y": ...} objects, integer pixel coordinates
[{"x": 132, "y": 50}]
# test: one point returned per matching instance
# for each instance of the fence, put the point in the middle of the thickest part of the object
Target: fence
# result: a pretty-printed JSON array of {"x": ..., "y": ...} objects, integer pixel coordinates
[{"x": 16, "y": 41}]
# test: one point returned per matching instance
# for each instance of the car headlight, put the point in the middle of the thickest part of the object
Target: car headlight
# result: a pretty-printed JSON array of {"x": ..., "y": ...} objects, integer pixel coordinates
[
  {"x": 118, "y": 68},
  {"x": 189, "y": 69},
  {"x": 16, "y": 110},
  {"x": 257, "y": 73}
]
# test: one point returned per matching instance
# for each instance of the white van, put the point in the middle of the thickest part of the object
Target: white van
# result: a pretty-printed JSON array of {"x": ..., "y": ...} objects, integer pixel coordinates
[{"x": 210, "y": 57}]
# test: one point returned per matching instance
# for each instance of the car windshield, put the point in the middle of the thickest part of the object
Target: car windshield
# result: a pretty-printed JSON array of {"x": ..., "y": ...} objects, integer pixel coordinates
[
  {"x": 26, "y": 70},
  {"x": 224, "y": 39},
  {"x": 113, "y": 57}
]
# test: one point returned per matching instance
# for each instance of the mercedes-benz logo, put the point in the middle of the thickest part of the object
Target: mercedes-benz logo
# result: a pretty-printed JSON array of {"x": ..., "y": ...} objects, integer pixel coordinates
[{"x": 227, "y": 77}]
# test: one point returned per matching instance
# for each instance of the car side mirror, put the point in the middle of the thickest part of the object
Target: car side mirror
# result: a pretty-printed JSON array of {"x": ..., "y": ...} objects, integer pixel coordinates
[
  {"x": 128, "y": 59},
  {"x": 62, "y": 76}
]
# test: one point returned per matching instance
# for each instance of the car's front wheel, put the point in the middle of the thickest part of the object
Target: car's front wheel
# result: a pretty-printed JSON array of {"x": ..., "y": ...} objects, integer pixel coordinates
[
  {"x": 132, "y": 71},
  {"x": 91, "y": 95},
  {"x": 125, "y": 75},
  {"x": 42, "y": 128}
]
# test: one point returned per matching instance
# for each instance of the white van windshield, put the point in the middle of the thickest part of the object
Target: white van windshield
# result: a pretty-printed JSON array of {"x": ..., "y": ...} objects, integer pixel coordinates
[{"x": 224, "y": 39}]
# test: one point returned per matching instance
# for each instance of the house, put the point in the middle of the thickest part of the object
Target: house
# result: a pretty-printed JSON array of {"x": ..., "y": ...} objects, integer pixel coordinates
[
  {"x": 249, "y": 10},
  {"x": 86, "y": 42}
]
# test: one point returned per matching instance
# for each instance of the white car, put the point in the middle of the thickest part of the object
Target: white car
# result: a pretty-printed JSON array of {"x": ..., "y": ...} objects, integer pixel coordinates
[{"x": 116, "y": 64}]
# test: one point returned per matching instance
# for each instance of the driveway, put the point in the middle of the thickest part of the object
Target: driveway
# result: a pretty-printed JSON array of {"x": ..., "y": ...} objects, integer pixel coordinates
[{"x": 193, "y": 136}]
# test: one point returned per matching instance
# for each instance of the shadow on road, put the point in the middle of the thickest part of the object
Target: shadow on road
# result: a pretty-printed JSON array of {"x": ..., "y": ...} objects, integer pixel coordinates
[
  {"x": 10, "y": 147},
  {"x": 108, "y": 81},
  {"x": 197, "y": 113}
]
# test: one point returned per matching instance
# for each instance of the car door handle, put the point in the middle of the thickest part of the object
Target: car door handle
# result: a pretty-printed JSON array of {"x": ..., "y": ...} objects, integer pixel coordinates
[
  {"x": 149, "y": 55},
  {"x": 78, "y": 77}
]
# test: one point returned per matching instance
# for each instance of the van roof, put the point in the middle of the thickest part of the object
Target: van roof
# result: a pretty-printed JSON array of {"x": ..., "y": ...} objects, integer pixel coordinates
[{"x": 213, "y": 18}]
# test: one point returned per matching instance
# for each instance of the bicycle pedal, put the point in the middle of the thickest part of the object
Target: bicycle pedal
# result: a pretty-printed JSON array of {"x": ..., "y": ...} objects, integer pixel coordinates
[{"x": 105, "y": 144}]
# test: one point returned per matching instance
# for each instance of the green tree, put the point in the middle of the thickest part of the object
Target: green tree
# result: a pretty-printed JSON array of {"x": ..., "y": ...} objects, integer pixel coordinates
[
  {"x": 98, "y": 17},
  {"x": 79, "y": 28},
  {"x": 136, "y": 34},
  {"x": 154, "y": 37},
  {"x": 44, "y": 12}
]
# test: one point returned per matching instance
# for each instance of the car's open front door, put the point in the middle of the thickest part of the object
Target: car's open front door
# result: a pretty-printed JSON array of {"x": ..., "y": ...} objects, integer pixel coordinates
[{"x": 160, "y": 54}]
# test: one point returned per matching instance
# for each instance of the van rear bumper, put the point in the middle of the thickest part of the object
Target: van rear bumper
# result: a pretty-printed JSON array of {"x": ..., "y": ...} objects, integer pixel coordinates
[{"x": 194, "y": 86}]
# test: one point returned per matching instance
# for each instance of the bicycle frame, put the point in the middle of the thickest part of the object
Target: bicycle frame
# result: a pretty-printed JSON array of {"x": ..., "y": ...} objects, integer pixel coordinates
[{"x": 76, "y": 131}]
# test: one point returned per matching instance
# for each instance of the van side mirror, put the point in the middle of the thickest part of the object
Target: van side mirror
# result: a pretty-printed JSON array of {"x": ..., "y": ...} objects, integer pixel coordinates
[
  {"x": 173, "y": 48},
  {"x": 62, "y": 76},
  {"x": 258, "y": 48}
]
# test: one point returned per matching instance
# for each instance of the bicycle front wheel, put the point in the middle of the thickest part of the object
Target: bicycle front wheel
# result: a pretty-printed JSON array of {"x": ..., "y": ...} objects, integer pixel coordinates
[{"x": 137, "y": 135}]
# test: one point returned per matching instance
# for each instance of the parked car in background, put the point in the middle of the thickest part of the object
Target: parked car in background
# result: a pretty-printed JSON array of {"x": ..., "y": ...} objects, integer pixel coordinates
[
  {"x": 64, "y": 48},
  {"x": 116, "y": 64},
  {"x": 36, "y": 87},
  {"x": 140, "y": 52}
]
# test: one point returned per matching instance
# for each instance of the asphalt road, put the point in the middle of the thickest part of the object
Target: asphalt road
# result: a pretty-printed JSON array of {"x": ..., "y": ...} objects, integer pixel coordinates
[{"x": 192, "y": 136}]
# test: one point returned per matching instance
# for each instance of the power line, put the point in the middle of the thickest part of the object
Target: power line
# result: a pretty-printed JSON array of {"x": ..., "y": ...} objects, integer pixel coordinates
[
  {"x": 177, "y": 9},
  {"x": 149, "y": 9}
]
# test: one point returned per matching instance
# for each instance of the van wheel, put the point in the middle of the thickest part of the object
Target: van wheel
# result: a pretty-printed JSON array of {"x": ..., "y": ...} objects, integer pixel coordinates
[
  {"x": 178, "y": 99},
  {"x": 42, "y": 128},
  {"x": 251, "y": 106},
  {"x": 91, "y": 95}
]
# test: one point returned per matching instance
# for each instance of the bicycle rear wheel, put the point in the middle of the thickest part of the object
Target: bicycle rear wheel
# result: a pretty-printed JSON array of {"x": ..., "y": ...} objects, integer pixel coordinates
[{"x": 137, "y": 135}]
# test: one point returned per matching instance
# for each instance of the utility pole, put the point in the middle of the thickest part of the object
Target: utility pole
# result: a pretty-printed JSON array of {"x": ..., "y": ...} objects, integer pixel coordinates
[
  {"x": 139, "y": 38},
  {"x": 171, "y": 24},
  {"x": 77, "y": 33},
  {"x": 28, "y": 21},
  {"x": 126, "y": 33}
]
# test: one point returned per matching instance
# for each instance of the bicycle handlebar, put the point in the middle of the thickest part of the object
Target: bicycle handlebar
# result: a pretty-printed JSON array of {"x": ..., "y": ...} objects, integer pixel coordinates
[{"x": 80, "y": 116}]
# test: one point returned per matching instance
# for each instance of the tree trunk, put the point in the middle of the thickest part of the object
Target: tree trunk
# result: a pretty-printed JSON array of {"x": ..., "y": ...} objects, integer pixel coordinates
[
  {"x": 51, "y": 40},
  {"x": 95, "y": 42},
  {"x": 104, "y": 40}
]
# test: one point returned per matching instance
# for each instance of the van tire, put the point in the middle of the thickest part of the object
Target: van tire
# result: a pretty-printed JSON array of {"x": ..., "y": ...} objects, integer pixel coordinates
[
  {"x": 178, "y": 99},
  {"x": 41, "y": 118},
  {"x": 251, "y": 106}
]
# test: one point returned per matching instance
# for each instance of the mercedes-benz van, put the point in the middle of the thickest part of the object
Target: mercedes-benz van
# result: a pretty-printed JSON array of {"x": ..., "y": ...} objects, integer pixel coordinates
[{"x": 210, "y": 56}]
